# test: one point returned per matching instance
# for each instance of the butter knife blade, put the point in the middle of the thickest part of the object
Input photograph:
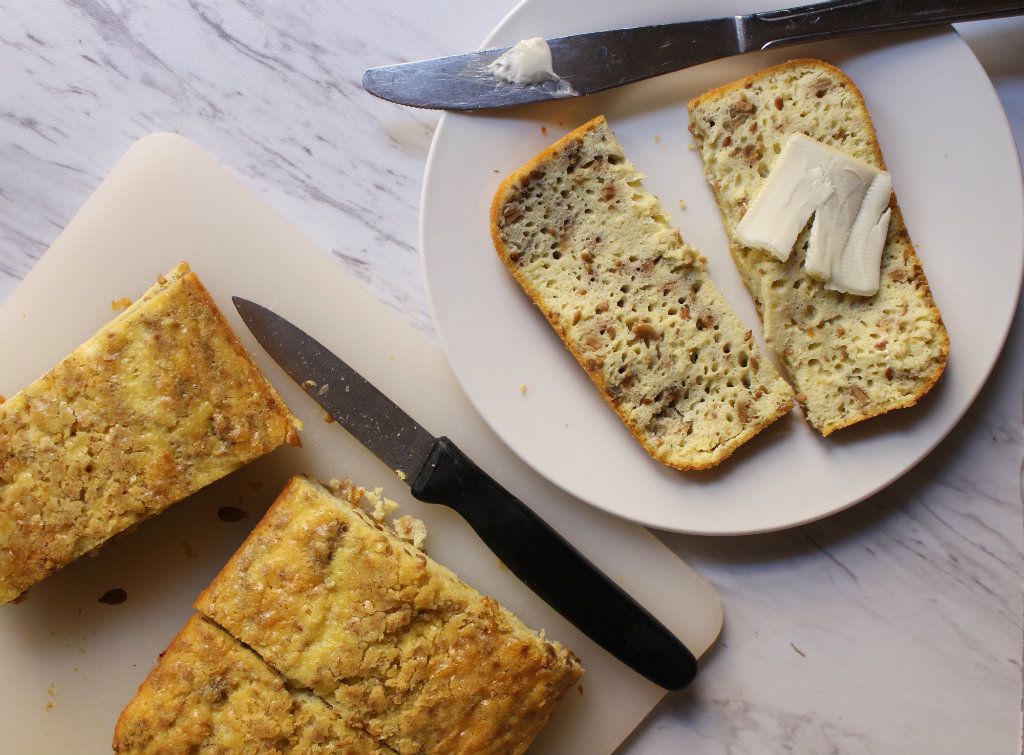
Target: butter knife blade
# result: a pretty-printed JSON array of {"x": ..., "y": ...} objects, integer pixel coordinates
[{"x": 602, "y": 60}]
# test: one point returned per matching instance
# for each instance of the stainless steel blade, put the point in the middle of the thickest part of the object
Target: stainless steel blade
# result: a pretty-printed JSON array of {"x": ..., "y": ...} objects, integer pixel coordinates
[
  {"x": 374, "y": 419},
  {"x": 602, "y": 60},
  {"x": 589, "y": 62}
]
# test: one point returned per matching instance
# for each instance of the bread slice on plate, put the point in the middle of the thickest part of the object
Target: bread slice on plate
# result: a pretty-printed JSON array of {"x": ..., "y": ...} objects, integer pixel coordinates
[
  {"x": 162, "y": 401},
  {"x": 850, "y": 357},
  {"x": 396, "y": 643},
  {"x": 633, "y": 302}
]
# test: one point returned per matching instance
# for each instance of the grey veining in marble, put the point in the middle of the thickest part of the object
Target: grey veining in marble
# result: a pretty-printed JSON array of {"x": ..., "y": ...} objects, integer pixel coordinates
[{"x": 893, "y": 627}]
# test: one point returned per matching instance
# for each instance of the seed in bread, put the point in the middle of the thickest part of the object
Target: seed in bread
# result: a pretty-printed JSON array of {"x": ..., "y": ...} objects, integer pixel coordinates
[
  {"x": 633, "y": 302},
  {"x": 850, "y": 357},
  {"x": 162, "y": 401},
  {"x": 209, "y": 693},
  {"x": 398, "y": 644}
]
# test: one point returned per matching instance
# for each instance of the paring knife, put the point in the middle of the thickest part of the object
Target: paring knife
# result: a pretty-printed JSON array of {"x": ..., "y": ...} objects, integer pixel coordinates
[
  {"x": 602, "y": 60},
  {"x": 438, "y": 472}
]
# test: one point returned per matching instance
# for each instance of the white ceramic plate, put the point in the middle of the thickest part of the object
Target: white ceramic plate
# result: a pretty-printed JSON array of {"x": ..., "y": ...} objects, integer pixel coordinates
[{"x": 957, "y": 177}]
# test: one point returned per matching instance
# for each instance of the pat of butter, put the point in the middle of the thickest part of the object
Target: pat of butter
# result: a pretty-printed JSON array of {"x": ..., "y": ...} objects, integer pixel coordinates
[
  {"x": 849, "y": 200},
  {"x": 527, "y": 62}
]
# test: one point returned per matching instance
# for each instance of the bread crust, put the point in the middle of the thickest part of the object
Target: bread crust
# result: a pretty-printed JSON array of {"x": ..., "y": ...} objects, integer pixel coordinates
[
  {"x": 210, "y": 693},
  {"x": 160, "y": 402},
  {"x": 335, "y": 602},
  {"x": 896, "y": 221},
  {"x": 501, "y": 197}
]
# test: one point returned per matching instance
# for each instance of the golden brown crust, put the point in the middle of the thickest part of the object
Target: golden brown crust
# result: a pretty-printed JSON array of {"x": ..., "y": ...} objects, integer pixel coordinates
[
  {"x": 261, "y": 385},
  {"x": 897, "y": 229},
  {"x": 162, "y": 401},
  {"x": 209, "y": 693},
  {"x": 502, "y": 196},
  {"x": 401, "y": 647}
]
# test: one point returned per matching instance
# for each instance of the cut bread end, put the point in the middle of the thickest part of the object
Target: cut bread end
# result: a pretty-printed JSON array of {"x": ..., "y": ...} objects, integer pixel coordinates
[{"x": 633, "y": 302}]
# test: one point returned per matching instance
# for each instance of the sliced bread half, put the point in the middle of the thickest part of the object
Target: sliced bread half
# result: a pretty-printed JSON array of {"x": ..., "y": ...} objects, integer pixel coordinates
[
  {"x": 633, "y": 302},
  {"x": 850, "y": 357}
]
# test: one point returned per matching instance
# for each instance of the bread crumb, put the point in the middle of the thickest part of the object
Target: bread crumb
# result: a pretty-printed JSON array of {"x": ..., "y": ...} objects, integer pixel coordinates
[
  {"x": 380, "y": 506},
  {"x": 682, "y": 204},
  {"x": 308, "y": 384},
  {"x": 2, "y": 399},
  {"x": 401, "y": 474},
  {"x": 328, "y": 418},
  {"x": 544, "y": 130},
  {"x": 323, "y": 389},
  {"x": 411, "y": 530},
  {"x": 120, "y": 305},
  {"x": 113, "y": 597},
  {"x": 522, "y": 388}
]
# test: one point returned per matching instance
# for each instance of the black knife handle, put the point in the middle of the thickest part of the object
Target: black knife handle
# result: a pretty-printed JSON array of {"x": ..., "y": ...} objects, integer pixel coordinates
[{"x": 553, "y": 568}]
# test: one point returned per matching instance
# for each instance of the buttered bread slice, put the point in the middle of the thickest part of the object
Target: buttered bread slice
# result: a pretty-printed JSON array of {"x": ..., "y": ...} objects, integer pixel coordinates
[
  {"x": 633, "y": 302},
  {"x": 162, "y": 401},
  {"x": 850, "y": 357}
]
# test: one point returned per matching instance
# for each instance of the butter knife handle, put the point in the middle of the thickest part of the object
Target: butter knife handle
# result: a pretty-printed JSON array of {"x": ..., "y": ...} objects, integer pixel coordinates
[
  {"x": 839, "y": 18},
  {"x": 551, "y": 567}
]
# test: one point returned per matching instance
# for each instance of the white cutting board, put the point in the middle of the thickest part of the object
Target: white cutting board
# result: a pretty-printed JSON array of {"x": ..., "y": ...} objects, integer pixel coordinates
[{"x": 71, "y": 663}]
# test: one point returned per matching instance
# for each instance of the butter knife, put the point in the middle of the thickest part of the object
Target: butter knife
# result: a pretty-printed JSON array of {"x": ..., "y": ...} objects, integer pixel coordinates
[
  {"x": 594, "y": 62},
  {"x": 439, "y": 472}
]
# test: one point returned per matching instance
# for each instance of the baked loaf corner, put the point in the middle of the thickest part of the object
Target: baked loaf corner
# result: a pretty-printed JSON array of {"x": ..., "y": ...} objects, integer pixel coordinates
[
  {"x": 850, "y": 357},
  {"x": 210, "y": 693},
  {"x": 396, "y": 643},
  {"x": 633, "y": 302},
  {"x": 162, "y": 401}
]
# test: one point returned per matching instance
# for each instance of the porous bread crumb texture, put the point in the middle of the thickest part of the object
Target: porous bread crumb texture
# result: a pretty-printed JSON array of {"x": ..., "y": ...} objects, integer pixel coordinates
[
  {"x": 633, "y": 302},
  {"x": 160, "y": 402},
  {"x": 850, "y": 357},
  {"x": 395, "y": 642},
  {"x": 210, "y": 694}
]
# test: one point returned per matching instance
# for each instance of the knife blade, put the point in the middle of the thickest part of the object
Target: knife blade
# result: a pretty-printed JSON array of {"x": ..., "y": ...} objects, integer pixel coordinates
[
  {"x": 439, "y": 472},
  {"x": 602, "y": 60}
]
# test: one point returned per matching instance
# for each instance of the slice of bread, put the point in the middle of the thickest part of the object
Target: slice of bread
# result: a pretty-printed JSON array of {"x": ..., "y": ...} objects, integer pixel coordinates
[
  {"x": 850, "y": 357},
  {"x": 399, "y": 645},
  {"x": 633, "y": 302},
  {"x": 162, "y": 401},
  {"x": 210, "y": 694}
]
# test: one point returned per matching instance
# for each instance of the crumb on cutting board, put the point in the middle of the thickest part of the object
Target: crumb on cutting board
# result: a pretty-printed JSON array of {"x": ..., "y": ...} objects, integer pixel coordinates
[
  {"x": 411, "y": 530},
  {"x": 113, "y": 596},
  {"x": 232, "y": 514}
]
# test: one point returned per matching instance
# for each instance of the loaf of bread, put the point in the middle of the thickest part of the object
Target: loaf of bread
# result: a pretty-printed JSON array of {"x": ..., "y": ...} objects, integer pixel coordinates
[
  {"x": 160, "y": 402},
  {"x": 211, "y": 694},
  {"x": 633, "y": 302},
  {"x": 850, "y": 357},
  {"x": 395, "y": 642}
]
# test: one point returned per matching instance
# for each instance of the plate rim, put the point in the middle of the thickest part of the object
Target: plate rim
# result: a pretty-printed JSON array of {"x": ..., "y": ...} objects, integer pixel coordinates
[{"x": 955, "y": 418}]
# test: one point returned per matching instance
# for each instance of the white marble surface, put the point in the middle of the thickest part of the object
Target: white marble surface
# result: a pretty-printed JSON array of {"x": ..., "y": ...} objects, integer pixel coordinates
[{"x": 895, "y": 627}]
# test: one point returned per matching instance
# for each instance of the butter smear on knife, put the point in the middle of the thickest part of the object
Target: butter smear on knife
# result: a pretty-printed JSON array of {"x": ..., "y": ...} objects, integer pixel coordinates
[
  {"x": 528, "y": 63},
  {"x": 849, "y": 200}
]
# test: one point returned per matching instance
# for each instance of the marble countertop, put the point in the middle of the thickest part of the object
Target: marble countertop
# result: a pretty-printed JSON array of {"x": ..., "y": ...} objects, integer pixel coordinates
[{"x": 895, "y": 626}]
